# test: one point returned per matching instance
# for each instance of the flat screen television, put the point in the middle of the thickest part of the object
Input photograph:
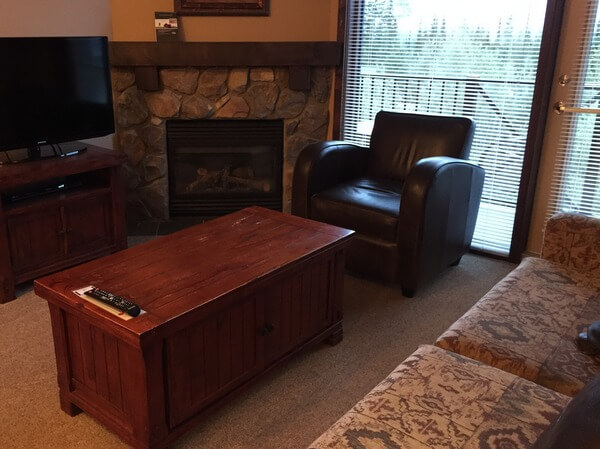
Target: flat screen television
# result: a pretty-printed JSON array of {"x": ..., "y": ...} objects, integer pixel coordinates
[{"x": 53, "y": 90}]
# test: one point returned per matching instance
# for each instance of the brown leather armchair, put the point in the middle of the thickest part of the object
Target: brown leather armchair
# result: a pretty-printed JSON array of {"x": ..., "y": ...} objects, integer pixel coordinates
[{"x": 411, "y": 197}]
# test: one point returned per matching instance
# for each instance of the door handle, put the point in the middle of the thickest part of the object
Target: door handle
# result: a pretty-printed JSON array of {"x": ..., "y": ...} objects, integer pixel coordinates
[{"x": 560, "y": 107}]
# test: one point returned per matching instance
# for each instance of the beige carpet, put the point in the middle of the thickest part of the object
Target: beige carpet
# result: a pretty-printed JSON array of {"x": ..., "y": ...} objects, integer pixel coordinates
[{"x": 288, "y": 408}]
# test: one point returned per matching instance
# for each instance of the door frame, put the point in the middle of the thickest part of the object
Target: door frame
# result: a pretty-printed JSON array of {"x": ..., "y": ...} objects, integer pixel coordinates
[
  {"x": 339, "y": 78},
  {"x": 537, "y": 126}
]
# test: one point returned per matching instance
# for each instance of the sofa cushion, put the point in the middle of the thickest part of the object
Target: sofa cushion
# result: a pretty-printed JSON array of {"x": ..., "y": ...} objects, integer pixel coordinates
[
  {"x": 573, "y": 240},
  {"x": 578, "y": 425},
  {"x": 368, "y": 206},
  {"x": 527, "y": 323},
  {"x": 437, "y": 399}
]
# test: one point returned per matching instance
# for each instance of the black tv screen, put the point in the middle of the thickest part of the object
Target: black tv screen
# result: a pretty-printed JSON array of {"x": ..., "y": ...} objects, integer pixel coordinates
[{"x": 53, "y": 90}]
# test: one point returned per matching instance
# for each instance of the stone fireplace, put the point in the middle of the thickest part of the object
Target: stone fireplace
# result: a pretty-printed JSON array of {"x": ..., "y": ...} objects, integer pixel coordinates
[{"x": 210, "y": 94}]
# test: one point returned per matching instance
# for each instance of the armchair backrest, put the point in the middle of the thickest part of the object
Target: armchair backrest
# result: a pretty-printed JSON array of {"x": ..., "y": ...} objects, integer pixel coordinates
[{"x": 400, "y": 140}]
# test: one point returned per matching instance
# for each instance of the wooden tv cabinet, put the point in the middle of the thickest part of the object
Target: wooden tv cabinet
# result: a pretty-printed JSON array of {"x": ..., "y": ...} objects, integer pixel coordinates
[{"x": 48, "y": 232}]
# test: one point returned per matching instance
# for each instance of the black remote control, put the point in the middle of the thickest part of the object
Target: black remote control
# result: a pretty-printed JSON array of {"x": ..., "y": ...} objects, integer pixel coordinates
[{"x": 111, "y": 299}]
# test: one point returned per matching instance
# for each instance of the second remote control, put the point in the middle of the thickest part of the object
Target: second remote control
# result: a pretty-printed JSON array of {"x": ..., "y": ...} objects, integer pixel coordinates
[{"x": 111, "y": 299}]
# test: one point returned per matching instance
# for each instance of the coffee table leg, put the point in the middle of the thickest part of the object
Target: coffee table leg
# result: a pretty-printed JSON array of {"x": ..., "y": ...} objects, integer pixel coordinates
[
  {"x": 336, "y": 337},
  {"x": 68, "y": 407}
]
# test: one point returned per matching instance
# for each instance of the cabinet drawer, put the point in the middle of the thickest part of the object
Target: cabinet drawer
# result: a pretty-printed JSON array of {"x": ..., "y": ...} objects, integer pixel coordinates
[
  {"x": 61, "y": 228},
  {"x": 88, "y": 223},
  {"x": 35, "y": 239}
]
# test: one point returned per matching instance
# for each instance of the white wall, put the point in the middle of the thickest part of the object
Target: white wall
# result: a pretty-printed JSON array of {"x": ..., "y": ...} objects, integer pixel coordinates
[{"x": 57, "y": 18}]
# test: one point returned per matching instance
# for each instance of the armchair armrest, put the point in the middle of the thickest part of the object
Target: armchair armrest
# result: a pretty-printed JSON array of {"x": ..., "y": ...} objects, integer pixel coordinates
[
  {"x": 323, "y": 165},
  {"x": 438, "y": 211},
  {"x": 573, "y": 240}
]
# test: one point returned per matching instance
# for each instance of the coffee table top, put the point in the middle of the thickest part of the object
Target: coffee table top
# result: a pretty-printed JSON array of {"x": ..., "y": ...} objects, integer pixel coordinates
[{"x": 175, "y": 274}]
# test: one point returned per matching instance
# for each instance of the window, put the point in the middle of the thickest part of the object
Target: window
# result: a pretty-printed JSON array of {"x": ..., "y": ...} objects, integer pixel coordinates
[{"x": 464, "y": 57}]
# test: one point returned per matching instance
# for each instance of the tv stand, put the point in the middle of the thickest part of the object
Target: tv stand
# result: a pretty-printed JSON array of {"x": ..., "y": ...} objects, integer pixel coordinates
[{"x": 42, "y": 231}]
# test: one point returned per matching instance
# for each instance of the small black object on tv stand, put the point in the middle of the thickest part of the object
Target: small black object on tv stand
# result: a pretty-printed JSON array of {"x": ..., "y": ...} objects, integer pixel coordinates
[{"x": 37, "y": 152}]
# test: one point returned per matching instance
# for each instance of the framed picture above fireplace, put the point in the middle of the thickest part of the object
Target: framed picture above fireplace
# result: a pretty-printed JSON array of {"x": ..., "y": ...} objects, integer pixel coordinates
[{"x": 222, "y": 7}]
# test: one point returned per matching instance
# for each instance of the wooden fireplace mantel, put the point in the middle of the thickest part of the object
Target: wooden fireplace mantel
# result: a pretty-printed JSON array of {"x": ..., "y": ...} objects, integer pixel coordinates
[
  {"x": 225, "y": 54},
  {"x": 147, "y": 57}
]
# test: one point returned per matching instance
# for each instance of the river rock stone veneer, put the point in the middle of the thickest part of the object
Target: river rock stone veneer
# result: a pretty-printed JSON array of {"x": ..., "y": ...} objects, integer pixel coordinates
[{"x": 209, "y": 93}]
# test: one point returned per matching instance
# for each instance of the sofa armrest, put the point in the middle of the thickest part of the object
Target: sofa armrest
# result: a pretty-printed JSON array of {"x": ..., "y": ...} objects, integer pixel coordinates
[
  {"x": 323, "y": 165},
  {"x": 573, "y": 240},
  {"x": 438, "y": 211}
]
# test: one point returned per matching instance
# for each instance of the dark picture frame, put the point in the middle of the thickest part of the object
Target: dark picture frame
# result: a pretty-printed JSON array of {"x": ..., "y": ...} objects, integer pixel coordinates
[{"x": 222, "y": 7}]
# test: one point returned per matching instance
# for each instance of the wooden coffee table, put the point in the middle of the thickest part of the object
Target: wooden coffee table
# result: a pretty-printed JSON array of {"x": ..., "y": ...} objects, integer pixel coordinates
[{"x": 225, "y": 301}]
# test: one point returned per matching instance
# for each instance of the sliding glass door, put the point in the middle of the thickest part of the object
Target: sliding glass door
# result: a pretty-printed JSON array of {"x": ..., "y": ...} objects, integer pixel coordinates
[{"x": 464, "y": 57}]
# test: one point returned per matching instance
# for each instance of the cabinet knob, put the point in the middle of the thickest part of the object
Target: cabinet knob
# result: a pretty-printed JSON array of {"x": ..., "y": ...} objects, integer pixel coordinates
[{"x": 266, "y": 329}]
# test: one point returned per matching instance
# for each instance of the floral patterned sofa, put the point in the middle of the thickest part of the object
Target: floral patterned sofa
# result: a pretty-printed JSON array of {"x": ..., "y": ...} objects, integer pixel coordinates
[
  {"x": 500, "y": 376},
  {"x": 527, "y": 323},
  {"x": 437, "y": 399}
]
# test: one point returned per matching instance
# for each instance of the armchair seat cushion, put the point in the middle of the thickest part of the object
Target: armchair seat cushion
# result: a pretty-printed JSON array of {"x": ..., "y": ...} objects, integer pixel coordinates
[{"x": 369, "y": 206}]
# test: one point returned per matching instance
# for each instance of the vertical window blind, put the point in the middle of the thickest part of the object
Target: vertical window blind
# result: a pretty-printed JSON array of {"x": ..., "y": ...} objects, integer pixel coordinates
[
  {"x": 576, "y": 182},
  {"x": 465, "y": 57}
]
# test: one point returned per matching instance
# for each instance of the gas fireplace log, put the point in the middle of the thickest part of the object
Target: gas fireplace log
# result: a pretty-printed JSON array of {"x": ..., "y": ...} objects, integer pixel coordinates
[
  {"x": 206, "y": 179},
  {"x": 223, "y": 180},
  {"x": 257, "y": 184},
  {"x": 243, "y": 172}
]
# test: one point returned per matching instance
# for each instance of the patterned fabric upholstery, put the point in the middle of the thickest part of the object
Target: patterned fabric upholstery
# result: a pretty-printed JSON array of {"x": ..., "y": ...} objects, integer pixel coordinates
[
  {"x": 573, "y": 241},
  {"x": 440, "y": 400},
  {"x": 527, "y": 323}
]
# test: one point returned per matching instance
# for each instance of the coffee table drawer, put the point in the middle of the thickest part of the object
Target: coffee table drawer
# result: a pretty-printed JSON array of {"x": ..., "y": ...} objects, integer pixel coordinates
[
  {"x": 298, "y": 308},
  {"x": 207, "y": 360}
]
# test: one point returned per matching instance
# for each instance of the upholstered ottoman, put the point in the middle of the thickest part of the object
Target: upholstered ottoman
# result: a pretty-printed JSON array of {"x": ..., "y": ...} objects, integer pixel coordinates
[
  {"x": 437, "y": 399},
  {"x": 527, "y": 323}
]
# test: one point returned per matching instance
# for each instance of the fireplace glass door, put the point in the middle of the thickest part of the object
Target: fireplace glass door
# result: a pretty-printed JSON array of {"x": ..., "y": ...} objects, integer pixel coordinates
[{"x": 220, "y": 166}]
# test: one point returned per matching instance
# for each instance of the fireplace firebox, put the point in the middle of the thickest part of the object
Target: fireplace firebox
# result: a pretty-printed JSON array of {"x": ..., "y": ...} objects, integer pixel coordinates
[{"x": 220, "y": 166}]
